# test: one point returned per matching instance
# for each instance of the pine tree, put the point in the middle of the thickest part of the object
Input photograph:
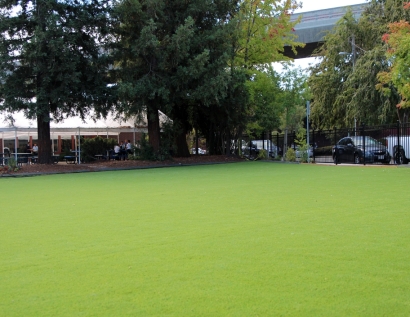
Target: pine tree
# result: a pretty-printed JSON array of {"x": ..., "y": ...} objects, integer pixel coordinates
[
  {"x": 172, "y": 56},
  {"x": 52, "y": 61}
]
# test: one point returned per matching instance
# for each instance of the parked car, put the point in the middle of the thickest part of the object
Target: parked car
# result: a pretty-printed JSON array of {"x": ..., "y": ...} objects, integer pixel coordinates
[
  {"x": 399, "y": 147},
  {"x": 351, "y": 150},
  {"x": 255, "y": 146},
  {"x": 236, "y": 144}
]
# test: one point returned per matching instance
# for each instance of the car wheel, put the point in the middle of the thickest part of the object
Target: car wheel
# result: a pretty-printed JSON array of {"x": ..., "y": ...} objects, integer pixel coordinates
[
  {"x": 356, "y": 159},
  {"x": 335, "y": 160},
  {"x": 400, "y": 158}
]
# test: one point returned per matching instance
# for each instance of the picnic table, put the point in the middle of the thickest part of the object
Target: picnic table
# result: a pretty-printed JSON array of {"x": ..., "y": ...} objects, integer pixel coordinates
[
  {"x": 22, "y": 158},
  {"x": 73, "y": 159}
]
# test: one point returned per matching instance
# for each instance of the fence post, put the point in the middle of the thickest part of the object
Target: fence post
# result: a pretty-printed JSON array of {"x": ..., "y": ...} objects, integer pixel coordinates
[
  {"x": 364, "y": 145},
  {"x": 313, "y": 144},
  {"x": 398, "y": 143}
]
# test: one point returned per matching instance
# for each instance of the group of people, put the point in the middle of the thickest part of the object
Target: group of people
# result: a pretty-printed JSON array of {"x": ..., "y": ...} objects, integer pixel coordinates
[{"x": 123, "y": 149}]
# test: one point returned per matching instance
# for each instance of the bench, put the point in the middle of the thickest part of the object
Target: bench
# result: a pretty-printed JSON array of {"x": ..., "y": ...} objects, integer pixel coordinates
[{"x": 70, "y": 159}]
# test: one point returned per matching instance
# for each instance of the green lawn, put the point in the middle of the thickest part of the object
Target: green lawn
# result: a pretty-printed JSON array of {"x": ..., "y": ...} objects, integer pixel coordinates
[{"x": 245, "y": 239}]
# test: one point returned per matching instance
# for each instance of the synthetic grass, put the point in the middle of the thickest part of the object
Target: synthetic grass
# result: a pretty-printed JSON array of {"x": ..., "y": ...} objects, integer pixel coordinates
[{"x": 246, "y": 239}]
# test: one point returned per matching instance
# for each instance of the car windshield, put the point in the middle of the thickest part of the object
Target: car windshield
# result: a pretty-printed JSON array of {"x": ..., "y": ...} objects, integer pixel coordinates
[{"x": 369, "y": 141}]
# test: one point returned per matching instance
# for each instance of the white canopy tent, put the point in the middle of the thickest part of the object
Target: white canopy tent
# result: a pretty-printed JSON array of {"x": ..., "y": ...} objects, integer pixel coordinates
[{"x": 24, "y": 129}]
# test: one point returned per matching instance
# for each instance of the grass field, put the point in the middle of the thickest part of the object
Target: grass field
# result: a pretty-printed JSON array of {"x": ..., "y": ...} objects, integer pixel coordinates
[{"x": 243, "y": 239}]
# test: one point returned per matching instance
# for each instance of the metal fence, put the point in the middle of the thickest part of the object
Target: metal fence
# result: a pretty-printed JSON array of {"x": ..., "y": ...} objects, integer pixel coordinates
[{"x": 365, "y": 145}]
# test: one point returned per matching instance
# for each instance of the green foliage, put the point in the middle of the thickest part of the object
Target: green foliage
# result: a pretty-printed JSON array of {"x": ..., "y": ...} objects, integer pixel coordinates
[
  {"x": 290, "y": 155},
  {"x": 263, "y": 30},
  {"x": 53, "y": 65},
  {"x": 95, "y": 146},
  {"x": 12, "y": 164},
  {"x": 145, "y": 151},
  {"x": 172, "y": 57},
  {"x": 167, "y": 141},
  {"x": 343, "y": 84},
  {"x": 303, "y": 147},
  {"x": 263, "y": 112},
  {"x": 262, "y": 155},
  {"x": 292, "y": 98},
  {"x": 398, "y": 74}
]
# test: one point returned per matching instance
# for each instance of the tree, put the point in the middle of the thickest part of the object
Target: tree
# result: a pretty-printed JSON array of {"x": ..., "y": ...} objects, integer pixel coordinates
[
  {"x": 172, "y": 56},
  {"x": 188, "y": 59},
  {"x": 263, "y": 30},
  {"x": 398, "y": 75},
  {"x": 264, "y": 109},
  {"x": 344, "y": 83},
  {"x": 292, "y": 99},
  {"x": 52, "y": 61}
]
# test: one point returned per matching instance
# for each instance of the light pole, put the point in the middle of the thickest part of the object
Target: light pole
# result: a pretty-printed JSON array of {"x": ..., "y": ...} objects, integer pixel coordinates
[{"x": 354, "y": 47}]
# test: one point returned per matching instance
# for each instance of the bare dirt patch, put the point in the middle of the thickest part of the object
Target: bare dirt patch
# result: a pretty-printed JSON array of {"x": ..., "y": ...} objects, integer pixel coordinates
[{"x": 101, "y": 165}]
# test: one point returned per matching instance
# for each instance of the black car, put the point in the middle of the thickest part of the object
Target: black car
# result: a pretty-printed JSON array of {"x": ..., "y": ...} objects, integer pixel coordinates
[{"x": 351, "y": 150}]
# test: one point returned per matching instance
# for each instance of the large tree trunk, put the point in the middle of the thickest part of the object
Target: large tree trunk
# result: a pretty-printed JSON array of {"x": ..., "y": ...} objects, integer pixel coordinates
[
  {"x": 44, "y": 140},
  {"x": 153, "y": 128},
  {"x": 181, "y": 144}
]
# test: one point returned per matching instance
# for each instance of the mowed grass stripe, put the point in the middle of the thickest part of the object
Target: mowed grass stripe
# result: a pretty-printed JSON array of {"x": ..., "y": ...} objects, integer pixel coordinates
[{"x": 242, "y": 239}]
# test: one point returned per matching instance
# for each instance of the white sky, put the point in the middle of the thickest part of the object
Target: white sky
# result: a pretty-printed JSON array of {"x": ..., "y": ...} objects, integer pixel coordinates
[{"x": 312, "y": 5}]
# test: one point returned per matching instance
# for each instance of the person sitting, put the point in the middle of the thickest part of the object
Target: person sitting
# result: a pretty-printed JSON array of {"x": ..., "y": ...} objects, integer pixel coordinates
[
  {"x": 28, "y": 148},
  {"x": 117, "y": 150},
  {"x": 35, "y": 149}
]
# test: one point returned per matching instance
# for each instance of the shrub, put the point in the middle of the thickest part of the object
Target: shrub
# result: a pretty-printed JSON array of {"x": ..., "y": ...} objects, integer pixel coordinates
[
  {"x": 290, "y": 155},
  {"x": 304, "y": 153},
  {"x": 95, "y": 146},
  {"x": 262, "y": 155},
  {"x": 10, "y": 166},
  {"x": 145, "y": 151}
]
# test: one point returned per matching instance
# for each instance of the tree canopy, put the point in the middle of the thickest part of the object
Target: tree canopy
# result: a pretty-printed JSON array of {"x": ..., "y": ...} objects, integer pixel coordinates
[
  {"x": 398, "y": 75},
  {"x": 344, "y": 83},
  {"x": 190, "y": 60},
  {"x": 52, "y": 61},
  {"x": 204, "y": 63}
]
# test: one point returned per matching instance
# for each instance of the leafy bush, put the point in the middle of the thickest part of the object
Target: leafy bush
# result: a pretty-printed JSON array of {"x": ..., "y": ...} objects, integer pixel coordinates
[
  {"x": 262, "y": 155},
  {"x": 145, "y": 151},
  {"x": 304, "y": 151},
  {"x": 95, "y": 146},
  {"x": 290, "y": 155},
  {"x": 10, "y": 166},
  {"x": 303, "y": 146}
]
